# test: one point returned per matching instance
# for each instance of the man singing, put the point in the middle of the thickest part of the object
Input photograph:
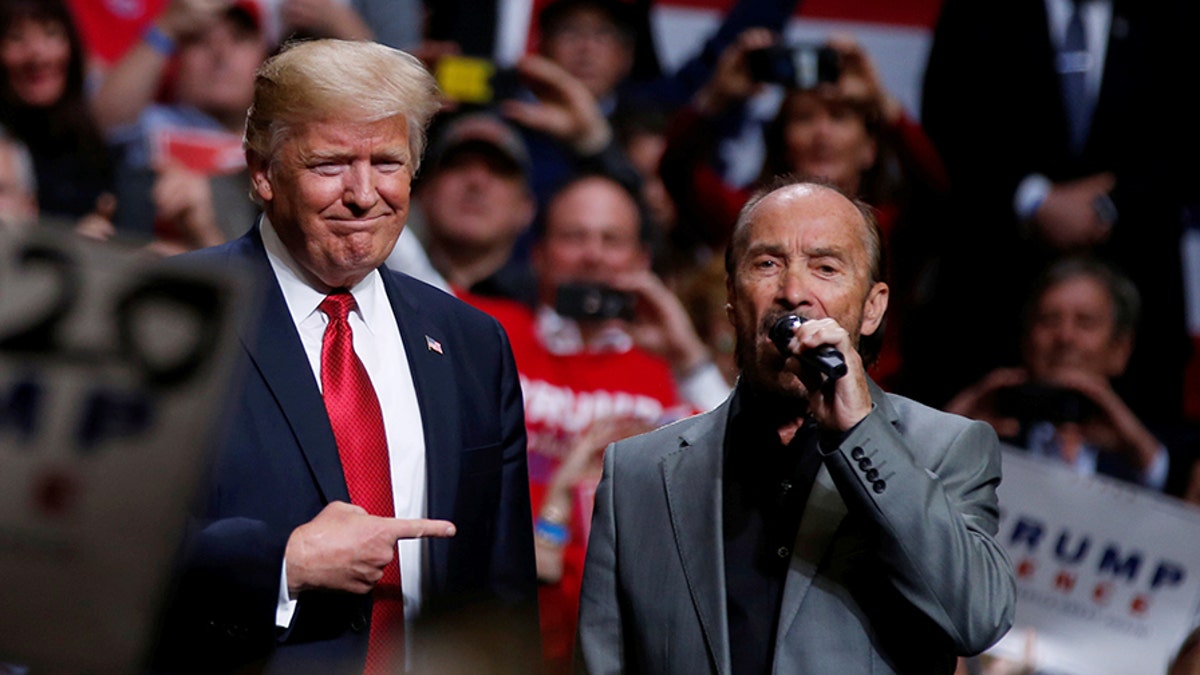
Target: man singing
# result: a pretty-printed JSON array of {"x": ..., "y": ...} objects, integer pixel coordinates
[{"x": 809, "y": 524}]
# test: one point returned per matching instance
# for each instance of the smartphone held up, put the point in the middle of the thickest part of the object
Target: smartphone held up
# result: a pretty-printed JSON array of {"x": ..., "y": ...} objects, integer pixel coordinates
[{"x": 798, "y": 66}]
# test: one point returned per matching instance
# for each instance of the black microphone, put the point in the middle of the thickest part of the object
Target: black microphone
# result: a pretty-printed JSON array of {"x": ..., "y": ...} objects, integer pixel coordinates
[{"x": 824, "y": 359}]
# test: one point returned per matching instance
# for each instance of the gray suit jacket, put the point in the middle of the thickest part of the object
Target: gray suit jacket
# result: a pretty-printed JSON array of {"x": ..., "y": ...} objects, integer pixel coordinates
[{"x": 894, "y": 569}]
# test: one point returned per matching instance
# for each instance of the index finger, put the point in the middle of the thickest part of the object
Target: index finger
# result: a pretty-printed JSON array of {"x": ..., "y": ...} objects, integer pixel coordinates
[{"x": 420, "y": 528}]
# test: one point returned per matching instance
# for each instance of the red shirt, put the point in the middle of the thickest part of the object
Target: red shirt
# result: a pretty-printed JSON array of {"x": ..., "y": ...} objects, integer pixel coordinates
[{"x": 565, "y": 391}]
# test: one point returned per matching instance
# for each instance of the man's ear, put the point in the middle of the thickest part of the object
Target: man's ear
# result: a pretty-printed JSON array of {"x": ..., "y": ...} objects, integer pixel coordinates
[
  {"x": 729, "y": 296},
  {"x": 260, "y": 178},
  {"x": 874, "y": 308}
]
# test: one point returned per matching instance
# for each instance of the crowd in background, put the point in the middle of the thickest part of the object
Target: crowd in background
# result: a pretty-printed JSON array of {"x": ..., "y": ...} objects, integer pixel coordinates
[{"x": 1034, "y": 259}]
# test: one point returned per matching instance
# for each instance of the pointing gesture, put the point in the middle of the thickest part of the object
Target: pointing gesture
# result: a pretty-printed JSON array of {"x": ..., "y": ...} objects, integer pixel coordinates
[{"x": 345, "y": 548}]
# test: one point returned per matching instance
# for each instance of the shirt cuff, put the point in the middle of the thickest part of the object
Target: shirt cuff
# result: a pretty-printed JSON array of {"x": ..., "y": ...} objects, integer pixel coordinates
[
  {"x": 286, "y": 606},
  {"x": 1030, "y": 194},
  {"x": 1155, "y": 475},
  {"x": 159, "y": 41}
]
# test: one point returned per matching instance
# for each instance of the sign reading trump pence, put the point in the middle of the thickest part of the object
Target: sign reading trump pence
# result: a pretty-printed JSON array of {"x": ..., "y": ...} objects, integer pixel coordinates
[
  {"x": 113, "y": 367},
  {"x": 1108, "y": 573}
]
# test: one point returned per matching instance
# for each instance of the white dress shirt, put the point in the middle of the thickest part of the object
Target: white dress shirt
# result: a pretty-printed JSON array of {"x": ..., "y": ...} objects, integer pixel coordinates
[
  {"x": 1097, "y": 18},
  {"x": 379, "y": 346}
]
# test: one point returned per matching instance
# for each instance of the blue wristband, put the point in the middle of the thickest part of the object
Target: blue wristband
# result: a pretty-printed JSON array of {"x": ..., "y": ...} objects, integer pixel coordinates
[
  {"x": 555, "y": 534},
  {"x": 159, "y": 41}
]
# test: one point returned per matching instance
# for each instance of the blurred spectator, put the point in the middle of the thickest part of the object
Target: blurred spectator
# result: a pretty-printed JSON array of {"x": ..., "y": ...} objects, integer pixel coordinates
[
  {"x": 702, "y": 291},
  {"x": 474, "y": 199},
  {"x": 18, "y": 186},
  {"x": 1032, "y": 110},
  {"x": 853, "y": 133},
  {"x": 593, "y": 40},
  {"x": 606, "y": 44},
  {"x": 598, "y": 41},
  {"x": 566, "y": 131},
  {"x": 42, "y": 104},
  {"x": 182, "y": 171},
  {"x": 641, "y": 131},
  {"x": 1079, "y": 333},
  {"x": 565, "y": 134},
  {"x": 326, "y": 19},
  {"x": 584, "y": 368}
]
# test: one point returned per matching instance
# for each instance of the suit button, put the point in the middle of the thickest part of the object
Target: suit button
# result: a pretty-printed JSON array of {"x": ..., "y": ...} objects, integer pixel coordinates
[
  {"x": 879, "y": 486},
  {"x": 783, "y": 552},
  {"x": 358, "y": 624},
  {"x": 872, "y": 474},
  {"x": 864, "y": 463},
  {"x": 857, "y": 453}
]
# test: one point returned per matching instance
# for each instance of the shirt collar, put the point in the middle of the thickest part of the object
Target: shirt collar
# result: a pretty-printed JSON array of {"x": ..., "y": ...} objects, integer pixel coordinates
[
  {"x": 748, "y": 419},
  {"x": 302, "y": 298}
]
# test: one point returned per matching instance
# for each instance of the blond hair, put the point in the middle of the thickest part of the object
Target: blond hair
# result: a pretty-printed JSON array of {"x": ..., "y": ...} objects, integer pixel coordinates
[{"x": 320, "y": 80}]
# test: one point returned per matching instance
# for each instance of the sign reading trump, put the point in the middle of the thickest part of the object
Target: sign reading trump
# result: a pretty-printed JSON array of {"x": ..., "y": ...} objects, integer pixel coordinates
[{"x": 1108, "y": 574}]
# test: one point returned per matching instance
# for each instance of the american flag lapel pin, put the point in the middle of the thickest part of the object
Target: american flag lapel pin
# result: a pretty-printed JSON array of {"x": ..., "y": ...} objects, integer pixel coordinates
[{"x": 433, "y": 345}]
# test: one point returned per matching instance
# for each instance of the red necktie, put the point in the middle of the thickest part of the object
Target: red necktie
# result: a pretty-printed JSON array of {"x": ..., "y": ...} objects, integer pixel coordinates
[{"x": 357, "y": 423}]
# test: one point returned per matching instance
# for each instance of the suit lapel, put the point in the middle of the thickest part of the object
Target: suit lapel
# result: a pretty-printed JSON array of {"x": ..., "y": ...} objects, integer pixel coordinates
[
  {"x": 823, "y": 515},
  {"x": 692, "y": 481},
  {"x": 276, "y": 352},
  {"x": 437, "y": 397}
]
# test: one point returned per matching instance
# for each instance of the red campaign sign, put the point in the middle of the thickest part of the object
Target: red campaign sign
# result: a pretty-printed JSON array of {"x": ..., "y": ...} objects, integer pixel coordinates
[
  {"x": 109, "y": 28},
  {"x": 211, "y": 153}
]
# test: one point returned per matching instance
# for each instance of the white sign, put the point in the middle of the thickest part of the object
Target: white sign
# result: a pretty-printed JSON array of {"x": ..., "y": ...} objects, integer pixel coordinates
[
  {"x": 112, "y": 371},
  {"x": 1108, "y": 573}
]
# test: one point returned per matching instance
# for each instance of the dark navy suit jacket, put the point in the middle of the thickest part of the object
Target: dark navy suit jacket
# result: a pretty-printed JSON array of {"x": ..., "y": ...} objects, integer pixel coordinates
[{"x": 279, "y": 467}]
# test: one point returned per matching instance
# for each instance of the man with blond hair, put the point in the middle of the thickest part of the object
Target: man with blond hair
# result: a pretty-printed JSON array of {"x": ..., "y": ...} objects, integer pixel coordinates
[{"x": 374, "y": 477}]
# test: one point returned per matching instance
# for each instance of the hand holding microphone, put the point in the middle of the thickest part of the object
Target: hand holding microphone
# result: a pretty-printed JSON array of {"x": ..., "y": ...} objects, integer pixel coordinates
[{"x": 824, "y": 359}]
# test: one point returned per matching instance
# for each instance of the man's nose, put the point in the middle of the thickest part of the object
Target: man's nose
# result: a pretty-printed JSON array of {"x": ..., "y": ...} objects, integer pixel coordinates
[
  {"x": 477, "y": 176},
  {"x": 592, "y": 254},
  {"x": 40, "y": 48},
  {"x": 1065, "y": 334},
  {"x": 792, "y": 291},
  {"x": 360, "y": 192}
]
